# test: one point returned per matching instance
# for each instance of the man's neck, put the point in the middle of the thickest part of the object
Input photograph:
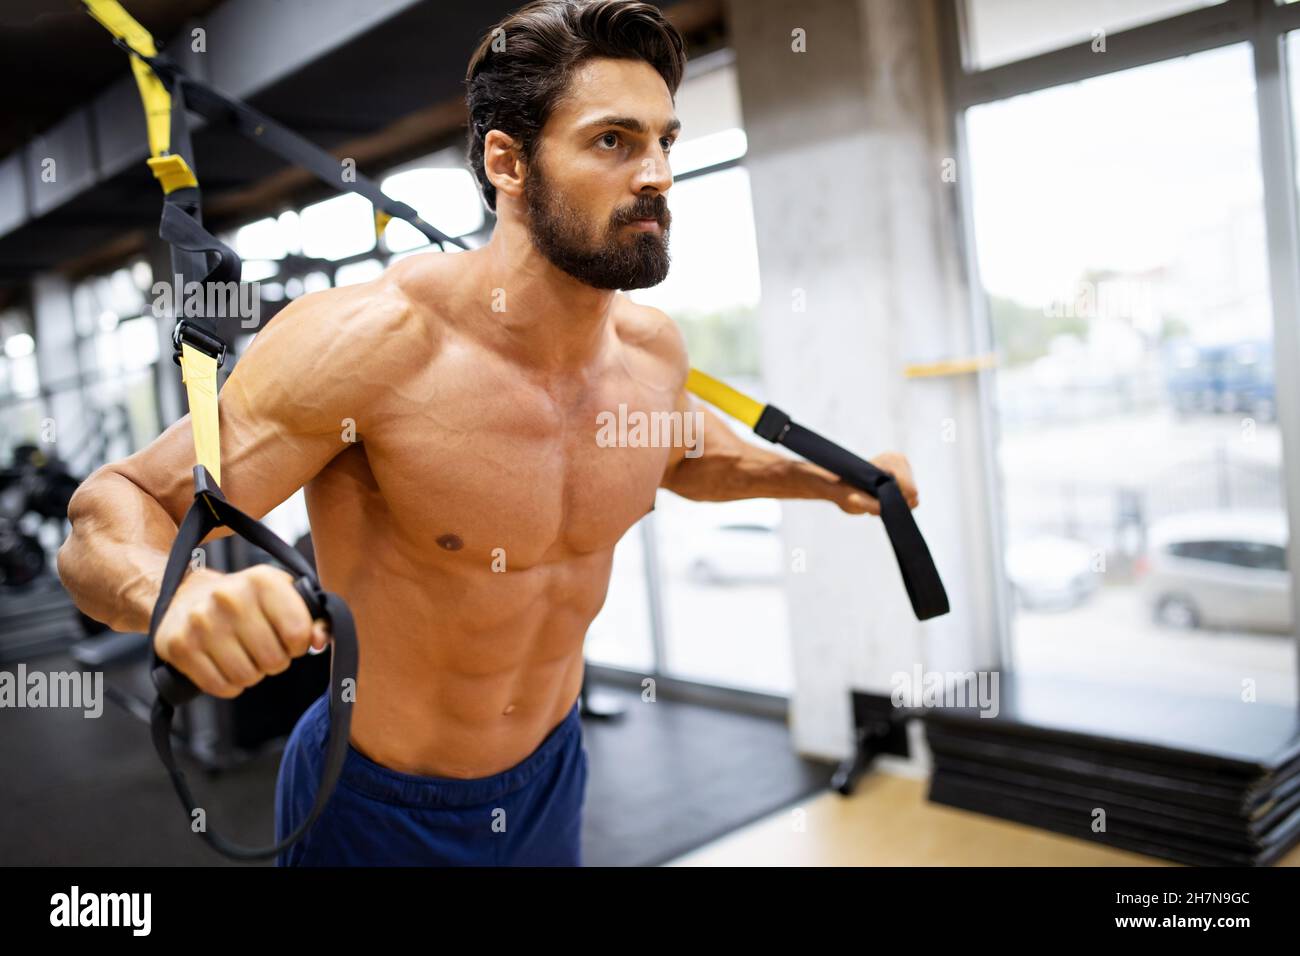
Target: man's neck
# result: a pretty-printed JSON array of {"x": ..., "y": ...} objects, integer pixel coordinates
[{"x": 536, "y": 314}]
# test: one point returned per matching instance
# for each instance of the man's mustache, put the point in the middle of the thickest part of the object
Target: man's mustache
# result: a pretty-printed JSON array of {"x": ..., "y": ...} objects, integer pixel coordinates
[{"x": 656, "y": 209}]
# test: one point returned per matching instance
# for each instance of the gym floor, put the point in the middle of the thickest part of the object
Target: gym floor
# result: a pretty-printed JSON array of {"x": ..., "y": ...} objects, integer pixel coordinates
[
  {"x": 671, "y": 783},
  {"x": 666, "y": 778},
  {"x": 888, "y": 822}
]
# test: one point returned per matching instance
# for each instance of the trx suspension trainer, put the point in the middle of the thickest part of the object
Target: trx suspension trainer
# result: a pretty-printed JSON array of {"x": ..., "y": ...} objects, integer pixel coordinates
[{"x": 168, "y": 93}]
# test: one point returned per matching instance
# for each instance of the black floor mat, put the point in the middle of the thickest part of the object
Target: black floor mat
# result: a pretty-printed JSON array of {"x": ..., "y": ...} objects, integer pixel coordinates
[
  {"x": 669, "y": 777},
  {"x": 1200, "y": 781}
]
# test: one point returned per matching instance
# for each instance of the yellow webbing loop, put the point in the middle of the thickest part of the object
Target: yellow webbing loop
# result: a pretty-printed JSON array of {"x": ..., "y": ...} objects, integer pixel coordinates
[
  {"x": 736, "y": 404},
  {"x": 382, "y": 219},
  {"x": 199, "y": 372}
]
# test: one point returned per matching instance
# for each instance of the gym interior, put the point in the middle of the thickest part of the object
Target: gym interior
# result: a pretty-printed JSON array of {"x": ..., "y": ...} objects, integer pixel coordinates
[{"x": 1047, "y": 250}]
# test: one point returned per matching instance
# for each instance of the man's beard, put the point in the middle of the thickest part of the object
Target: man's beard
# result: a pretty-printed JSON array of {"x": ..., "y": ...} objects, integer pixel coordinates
[{"x": 619, "y": 260}]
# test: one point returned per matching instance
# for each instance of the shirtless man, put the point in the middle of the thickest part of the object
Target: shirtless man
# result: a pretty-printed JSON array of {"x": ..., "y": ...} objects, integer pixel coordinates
[{"x": 471, "y": 524}]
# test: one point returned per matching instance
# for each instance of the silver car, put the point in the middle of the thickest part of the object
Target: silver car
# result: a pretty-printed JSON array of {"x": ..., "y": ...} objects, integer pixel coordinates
[{"x": 1220, "y": 569}]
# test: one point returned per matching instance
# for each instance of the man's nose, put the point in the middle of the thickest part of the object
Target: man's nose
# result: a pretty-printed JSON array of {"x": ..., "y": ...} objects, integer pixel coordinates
[{"x": 654, "y": 171}]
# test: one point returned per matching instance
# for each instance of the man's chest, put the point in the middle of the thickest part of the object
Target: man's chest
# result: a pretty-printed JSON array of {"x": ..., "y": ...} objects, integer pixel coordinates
[{"x": 498, "y": 470}]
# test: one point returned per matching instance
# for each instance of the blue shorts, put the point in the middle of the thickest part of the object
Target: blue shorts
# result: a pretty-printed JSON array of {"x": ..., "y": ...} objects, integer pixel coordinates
[{"x": 528, "y": 815}]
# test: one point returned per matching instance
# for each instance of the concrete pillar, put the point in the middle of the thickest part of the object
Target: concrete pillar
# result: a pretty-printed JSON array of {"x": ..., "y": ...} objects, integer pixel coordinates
[{"x": 858, "y": 242}]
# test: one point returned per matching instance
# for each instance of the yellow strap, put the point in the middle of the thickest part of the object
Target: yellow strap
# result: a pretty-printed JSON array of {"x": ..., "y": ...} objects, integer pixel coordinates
[
  {"x": 736, "y": 404},
  {"x": 157, "y": 101},
  {"x": 199, "y": 372},
  {"x": 382, "y": 219}
]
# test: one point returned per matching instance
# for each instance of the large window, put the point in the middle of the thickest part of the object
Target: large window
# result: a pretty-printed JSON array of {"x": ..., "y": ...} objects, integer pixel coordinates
[
  {"x": 21, "y": 409},
  {"x": 723, "y": 600},
  {"x": 117, "y": 361},
  {"x": 718, "y": 569},
  {"x": 1123, "y": 247}
]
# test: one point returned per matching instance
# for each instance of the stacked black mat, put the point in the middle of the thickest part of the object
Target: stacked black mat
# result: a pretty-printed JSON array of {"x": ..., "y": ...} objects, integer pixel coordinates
[{"x": 1213, "y": 782}]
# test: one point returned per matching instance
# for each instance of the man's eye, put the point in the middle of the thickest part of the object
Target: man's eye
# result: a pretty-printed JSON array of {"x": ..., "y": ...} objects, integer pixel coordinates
[
  {"x": 668, "y": 143},
  {"x": 610, "y": 136}
]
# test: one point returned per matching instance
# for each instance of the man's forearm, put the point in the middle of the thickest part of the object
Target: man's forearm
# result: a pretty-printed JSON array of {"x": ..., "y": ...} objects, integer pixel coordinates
[
  {"x": 730, "y": 468},
  {"x": 112, "y": 563}
]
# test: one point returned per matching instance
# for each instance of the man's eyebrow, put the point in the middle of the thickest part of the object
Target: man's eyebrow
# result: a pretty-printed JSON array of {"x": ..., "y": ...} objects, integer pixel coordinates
[{"x": 631, "y": 123}]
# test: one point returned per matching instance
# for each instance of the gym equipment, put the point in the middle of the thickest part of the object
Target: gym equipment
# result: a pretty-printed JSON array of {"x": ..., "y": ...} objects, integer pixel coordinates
[
  {"x": 211, "y": 510},
  {"x": 879, "y": 727},
  {"x": 45, "y": 481},
  {"x": 36, "y": 615},
  {"x": 22, "y": 558},
  {"x": 920, "y": 577},
  {"x": 200, "y": 351},
  {"x": 36, "y": 619},
  {"x": 38, "y": 484}
]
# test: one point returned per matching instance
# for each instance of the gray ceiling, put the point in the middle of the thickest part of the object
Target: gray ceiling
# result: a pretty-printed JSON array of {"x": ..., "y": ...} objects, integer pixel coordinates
[{"x": 60, "y": 58}]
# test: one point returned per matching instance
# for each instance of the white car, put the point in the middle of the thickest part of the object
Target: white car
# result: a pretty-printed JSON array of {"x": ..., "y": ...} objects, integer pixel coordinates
[
  {"x": 1051, "y": 573},
  {"x": 743, "y": 548},
  {"x": 1220, "y": 569}
]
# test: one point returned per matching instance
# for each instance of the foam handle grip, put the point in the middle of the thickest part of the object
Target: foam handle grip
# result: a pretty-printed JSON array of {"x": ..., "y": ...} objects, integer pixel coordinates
[
  {"x": 307, "y": 591},
  {"x": 856, "y": 471},
  {"x": 177, "y": 689},
  {"x": 173, "y": 686}
]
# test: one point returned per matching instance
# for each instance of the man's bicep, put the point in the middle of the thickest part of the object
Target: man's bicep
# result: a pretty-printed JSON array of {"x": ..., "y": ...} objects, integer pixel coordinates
[
  {"x": 266, "y": 456},
  {"x": 299, "y": 396},
  {"x": 685, "y": 408},
  {"x": 292, "y": 403}
]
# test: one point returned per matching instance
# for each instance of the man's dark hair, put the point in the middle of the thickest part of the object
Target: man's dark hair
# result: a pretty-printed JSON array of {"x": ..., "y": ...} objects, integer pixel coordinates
[{"x": 523, "y": 66}]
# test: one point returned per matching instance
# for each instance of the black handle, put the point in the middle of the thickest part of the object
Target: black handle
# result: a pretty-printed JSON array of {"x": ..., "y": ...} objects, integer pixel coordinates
[
  {"x": 177, "y": 689},
  {"x": 856, "y": 471},
  {"x": 211, "y": 510},
  {"x": 309, "y": 590},
  {"x": 921, "y": 578}
]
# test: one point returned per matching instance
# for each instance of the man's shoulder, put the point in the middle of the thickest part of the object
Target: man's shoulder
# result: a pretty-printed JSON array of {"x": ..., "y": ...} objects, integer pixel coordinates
[
  {"x": 348, "y": 323},
  {"x": 651, "y": 331},
  {"x": 345, "y": 346}
]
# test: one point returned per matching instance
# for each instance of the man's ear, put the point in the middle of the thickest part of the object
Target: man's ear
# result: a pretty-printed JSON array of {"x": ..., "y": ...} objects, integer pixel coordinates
[{"x": 503, "y": 162}]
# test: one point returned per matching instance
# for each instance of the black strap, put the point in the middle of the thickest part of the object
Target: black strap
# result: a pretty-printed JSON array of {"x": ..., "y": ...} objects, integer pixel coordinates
[
  {"x": 214, "y": 105},
  {"x": 211, "y": 510},
  {"x": 198, "y": 256},
  {"x": 920, "y": 576}
]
